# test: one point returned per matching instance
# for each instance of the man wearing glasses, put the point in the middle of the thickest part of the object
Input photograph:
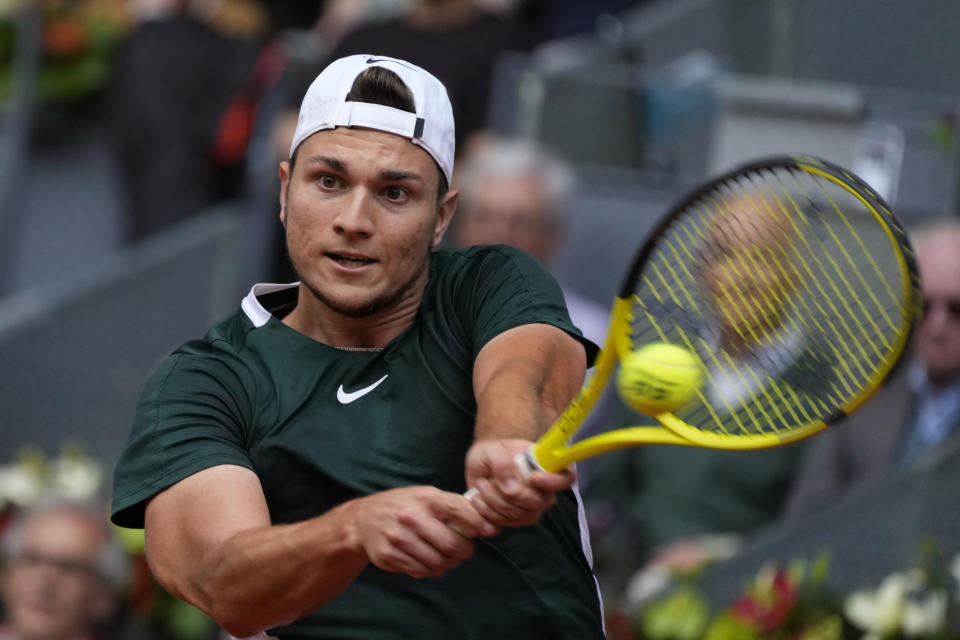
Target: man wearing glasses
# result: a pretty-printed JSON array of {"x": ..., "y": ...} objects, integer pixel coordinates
[
  {"x": 63, "y": 573},
  {"x": 919, "y": 411}
]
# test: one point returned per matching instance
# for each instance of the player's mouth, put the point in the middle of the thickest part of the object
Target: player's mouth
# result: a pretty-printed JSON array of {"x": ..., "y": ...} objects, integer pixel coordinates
[{"x": 350, "y": 261}]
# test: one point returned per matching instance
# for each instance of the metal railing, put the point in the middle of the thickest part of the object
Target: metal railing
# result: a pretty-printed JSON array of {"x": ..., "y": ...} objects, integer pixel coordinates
[{"x": 76, "y": 354}]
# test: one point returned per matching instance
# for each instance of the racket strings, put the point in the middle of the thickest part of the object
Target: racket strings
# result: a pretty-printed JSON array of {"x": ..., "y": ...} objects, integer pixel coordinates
[
  {"x": 813, "y": 316},
  {"x": 771, "y": 396},
  {"x": 789, "y": 287},
  {"x": 755, "y": 420},
  {"x": 729, "y": 364},
  {"x": 811, "y": 312},
  {"x": 855, "y": 293},
  {"x": 721, "y": 364},
  {"x": 835, "y": 322},
  {"x": 848, "y": 290},
  {"x": 867, "y": 255}
]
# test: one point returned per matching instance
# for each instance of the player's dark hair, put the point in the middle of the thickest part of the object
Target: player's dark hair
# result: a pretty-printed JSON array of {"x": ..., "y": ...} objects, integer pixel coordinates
[{"x": 376, "y": 85}]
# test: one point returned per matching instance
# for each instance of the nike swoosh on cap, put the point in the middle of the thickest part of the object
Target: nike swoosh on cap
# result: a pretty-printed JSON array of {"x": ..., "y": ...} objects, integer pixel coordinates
[{"x": 346, "y": 397}]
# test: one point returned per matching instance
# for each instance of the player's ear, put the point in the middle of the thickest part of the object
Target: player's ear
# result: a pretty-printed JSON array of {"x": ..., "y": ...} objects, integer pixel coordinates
[
  {"x": 284, "y": 183},
  {"x": 445, "y": 211}
]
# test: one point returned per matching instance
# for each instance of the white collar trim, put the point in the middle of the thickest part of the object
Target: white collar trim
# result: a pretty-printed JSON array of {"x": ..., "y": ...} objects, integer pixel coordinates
[{"x": 252, "y": 307}]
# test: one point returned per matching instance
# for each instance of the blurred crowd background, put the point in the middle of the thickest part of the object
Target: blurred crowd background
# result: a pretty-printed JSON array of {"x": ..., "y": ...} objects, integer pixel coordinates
[{"x": 139, "y": 142}]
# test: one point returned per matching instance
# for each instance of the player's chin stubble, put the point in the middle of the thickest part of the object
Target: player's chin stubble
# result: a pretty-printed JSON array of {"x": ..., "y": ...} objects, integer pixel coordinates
[{"x": 370, "y": 307}]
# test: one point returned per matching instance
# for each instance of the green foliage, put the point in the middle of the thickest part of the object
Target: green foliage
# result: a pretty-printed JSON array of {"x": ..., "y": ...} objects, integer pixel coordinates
[
  {"x": 682, "y": 615},
  {"x": 797, "y": 603},
  {"x": 181, "y": 620},
  {"x": 78, "y": 46}
]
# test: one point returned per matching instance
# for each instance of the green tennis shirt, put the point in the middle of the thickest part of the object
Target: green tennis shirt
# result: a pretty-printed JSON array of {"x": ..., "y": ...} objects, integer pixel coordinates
[{"x": 320, "y": 426}]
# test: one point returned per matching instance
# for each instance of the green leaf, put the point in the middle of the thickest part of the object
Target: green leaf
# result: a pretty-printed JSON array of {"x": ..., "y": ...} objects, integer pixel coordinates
[
  {"x": 682, "y": 615},
  {"x": 820, "y": 569},
  {"x": 727, "y": 627},
  {"x": 827, "y": 628}
]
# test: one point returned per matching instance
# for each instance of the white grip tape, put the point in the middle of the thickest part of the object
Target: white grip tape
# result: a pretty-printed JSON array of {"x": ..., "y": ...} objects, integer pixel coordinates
[{"x": 527, "y": 463}]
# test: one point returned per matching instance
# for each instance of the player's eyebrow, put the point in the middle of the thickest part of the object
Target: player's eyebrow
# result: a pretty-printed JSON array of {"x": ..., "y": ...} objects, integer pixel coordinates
[
  {"x": 334, "y": 163},
  {"x": 390, "y": 175},
  {"x": 394, "y": 175}
]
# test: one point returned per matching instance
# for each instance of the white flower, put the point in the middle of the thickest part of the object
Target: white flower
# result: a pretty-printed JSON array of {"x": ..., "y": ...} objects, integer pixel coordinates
[
  {"x": 880, "y": 612},
  {"x": 646, "y": 584},
  {"x": 925, "y": 614},
  {"x": 19, "y": 486},
  {"x": 75, "y": 478}
]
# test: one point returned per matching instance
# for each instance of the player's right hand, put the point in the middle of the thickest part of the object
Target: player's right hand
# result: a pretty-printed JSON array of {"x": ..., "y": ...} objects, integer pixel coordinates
[
  {"x": 420, "y": 531},
  {"x": 504, "y": 494}
]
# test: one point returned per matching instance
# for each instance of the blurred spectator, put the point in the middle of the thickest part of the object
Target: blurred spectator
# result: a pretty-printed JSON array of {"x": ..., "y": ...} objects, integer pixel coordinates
[
  {"x": 176, "y": 76},
  {"x": 296, "y": 15},
  {"x": 517, "y": 193},
  {"x": 918, "y": 410},
  {"x": 341, "y": 17},
  {"x": 63, "y": 574},
  {"x": 243, "y": 19},
  {"x": 563, "y": 18},
  {"x": 39, "y": 494}
]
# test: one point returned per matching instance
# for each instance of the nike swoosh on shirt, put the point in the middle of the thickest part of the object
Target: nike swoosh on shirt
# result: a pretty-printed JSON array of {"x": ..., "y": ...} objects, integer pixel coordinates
[{"x": 346, "y": 397}]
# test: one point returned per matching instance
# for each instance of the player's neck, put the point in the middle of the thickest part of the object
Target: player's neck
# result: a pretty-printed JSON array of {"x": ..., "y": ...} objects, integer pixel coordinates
[{"x": 316, "y": 320}]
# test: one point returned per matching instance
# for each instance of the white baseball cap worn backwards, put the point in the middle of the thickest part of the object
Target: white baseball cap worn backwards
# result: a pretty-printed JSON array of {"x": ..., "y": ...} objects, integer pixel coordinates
[{"x": 431, "y": 127}]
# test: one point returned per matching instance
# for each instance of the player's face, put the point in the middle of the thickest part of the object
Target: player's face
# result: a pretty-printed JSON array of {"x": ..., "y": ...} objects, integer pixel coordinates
[
  {"x": 937, "y": 341},
  {"x": 361, "y": 216}
]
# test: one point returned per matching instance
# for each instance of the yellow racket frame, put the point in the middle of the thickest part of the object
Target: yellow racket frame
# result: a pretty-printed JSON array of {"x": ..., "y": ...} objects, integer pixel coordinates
[{"x": 553, "y": 451}]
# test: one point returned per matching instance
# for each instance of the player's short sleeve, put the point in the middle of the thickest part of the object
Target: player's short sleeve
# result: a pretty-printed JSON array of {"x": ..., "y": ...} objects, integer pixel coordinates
[
  {"x": 192, "y": 415},
  {"x": 506, "y": 288}
]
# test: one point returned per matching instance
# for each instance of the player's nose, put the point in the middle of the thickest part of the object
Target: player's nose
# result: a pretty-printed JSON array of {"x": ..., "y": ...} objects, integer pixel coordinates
[{"x": 356, "y": 214}]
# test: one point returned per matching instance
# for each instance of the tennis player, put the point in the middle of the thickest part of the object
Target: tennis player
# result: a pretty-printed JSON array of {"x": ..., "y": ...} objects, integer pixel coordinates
[{"x": 300, "y": 469}]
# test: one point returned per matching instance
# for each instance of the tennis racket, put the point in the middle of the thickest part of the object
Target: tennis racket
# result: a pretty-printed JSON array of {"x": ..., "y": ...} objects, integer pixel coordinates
[{"x": 794, "y": 286}]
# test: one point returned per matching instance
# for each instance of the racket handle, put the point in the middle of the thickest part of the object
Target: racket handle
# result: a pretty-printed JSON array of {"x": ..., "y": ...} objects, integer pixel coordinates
[{"x": 526, "y": 463}]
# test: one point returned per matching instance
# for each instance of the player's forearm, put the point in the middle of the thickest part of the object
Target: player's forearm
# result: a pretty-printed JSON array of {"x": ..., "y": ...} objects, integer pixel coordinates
[
  {"x": 268, "y": 576},
  {"x": 514, "y": 404},
  {"x": 517, "y": 405},
  {"x": 526, "y": 381}
]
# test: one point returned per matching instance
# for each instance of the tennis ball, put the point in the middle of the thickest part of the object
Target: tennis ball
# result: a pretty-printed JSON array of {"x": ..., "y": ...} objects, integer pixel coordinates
[{"x": 658, "y": 377}]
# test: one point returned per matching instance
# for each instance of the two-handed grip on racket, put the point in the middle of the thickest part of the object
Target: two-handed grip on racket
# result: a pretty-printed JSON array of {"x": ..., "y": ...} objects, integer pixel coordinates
[{"x": 526, "y": 463}]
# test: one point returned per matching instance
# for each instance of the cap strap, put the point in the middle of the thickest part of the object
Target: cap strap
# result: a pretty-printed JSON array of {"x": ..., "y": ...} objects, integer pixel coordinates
[{"x": 378, "y": 116}]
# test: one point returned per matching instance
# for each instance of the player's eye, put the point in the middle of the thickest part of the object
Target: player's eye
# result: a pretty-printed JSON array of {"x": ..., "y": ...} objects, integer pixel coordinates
[
  {"x": 395, "y": 194},
  {"x": 328, "y": 181}
]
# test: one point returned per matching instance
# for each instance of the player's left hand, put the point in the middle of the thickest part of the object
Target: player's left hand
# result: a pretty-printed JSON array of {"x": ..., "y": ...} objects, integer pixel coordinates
[{"x": 504, "y": 496}]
